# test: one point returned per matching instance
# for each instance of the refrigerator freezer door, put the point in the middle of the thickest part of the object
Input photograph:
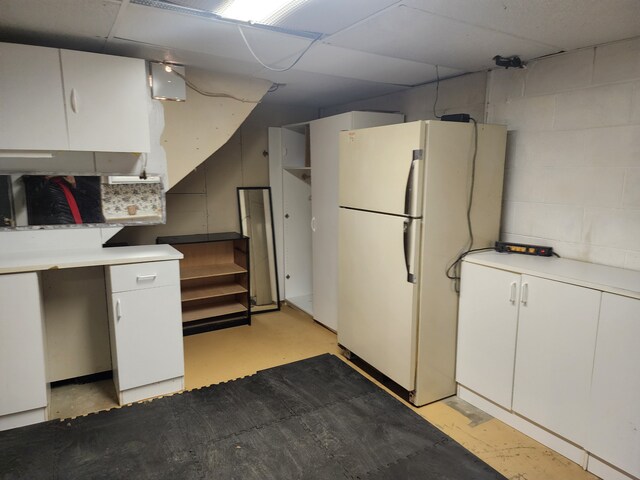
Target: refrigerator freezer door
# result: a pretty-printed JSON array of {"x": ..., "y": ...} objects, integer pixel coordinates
[
  {"x": 377, "y": 305},
  {"x": 381, "y": 169}
]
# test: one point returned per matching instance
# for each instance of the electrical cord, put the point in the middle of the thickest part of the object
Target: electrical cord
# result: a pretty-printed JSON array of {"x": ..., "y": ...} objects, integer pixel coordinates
[
  {"x": 455, "y": 276},
  {"x": 246, "y": 42},
  {"x": 456, "y": 264},
  {"x": 211, "y": 94},
  {"x": 437, "y": 93}
]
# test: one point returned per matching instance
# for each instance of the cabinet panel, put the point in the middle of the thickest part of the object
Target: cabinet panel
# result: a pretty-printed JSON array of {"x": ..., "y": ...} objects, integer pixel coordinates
[
  {"x": 487, "y": 326},
  {"x": 148, "y": 336},
  {"x": 324, "y": 212},
  {"x": 31, "y": 104},
  {"x": 554, "y": 356},
  {"x": 106, "y": 102},
  {"x": 614, "y": 413},
  {"x": 297, "y": 236},
  {"x": 22, "y": 367},
  {"x": 143, "y": 275}
]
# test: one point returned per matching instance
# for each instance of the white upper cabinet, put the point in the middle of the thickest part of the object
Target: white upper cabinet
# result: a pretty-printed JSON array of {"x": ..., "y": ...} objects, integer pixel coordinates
[
  {"x": 105, "y": 101},
  {"x": 31, "y": 99},
  {"x": 55, "y": 100}
]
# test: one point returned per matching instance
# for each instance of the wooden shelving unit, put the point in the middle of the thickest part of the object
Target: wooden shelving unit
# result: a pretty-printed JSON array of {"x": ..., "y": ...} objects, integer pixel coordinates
[{"x": 214, "y": 280}]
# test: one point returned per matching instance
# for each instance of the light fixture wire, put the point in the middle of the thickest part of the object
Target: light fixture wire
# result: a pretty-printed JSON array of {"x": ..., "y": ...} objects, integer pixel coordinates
[
  {"x": 194, "y": 87},
  {"x": 246, "y": 42}
]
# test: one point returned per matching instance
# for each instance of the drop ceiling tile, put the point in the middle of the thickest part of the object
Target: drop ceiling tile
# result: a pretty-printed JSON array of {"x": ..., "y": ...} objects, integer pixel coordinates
[
  {"x": 412, "y": 34},
  {"x": 130, "y": 48},
  {"x": 76, "y": 24},
  {"x": 90, "y": 18},
  {"x": 315, "y": 90},
  {"x": 567, "y": 24},
  {"x": 342, "y": 62},
  {"x": 330, "y": 16},
  {"x": 196, "y": 34}
]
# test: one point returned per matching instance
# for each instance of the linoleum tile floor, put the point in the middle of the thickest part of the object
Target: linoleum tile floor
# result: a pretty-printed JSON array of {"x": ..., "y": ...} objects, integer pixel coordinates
[{"x": 276, "y": 338}]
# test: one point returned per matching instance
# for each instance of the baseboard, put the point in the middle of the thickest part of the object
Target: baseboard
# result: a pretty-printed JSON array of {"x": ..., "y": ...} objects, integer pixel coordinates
[
  {"x": 563, "y": 447},
  {"x": 22, "y": 419},
  {"x": 606, "y": 471},
  {"x": 145, "y": 392}
]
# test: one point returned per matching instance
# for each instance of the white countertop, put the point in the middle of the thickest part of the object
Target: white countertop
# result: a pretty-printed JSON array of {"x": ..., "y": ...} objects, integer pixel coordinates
[
  {"x": 599, "y": 277},
  {"x": 34, "y": 261}
]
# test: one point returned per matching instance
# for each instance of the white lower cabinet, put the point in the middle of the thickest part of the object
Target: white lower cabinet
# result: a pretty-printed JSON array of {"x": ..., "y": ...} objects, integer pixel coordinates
[
  {"x": 554, "y": 355},
  {"x": 614, "y": 413},
  {"x": 146, "y": 329},
  {"x": 557, "y": 357},
  {"x": 23, "y": 383},
  {"x": 487, "y": 326}
]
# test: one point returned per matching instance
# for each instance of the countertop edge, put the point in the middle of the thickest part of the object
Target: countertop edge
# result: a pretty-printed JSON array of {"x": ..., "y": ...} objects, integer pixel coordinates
[
  {"x": 489, "y": 259},
  {"x": 42, "y": 261}
]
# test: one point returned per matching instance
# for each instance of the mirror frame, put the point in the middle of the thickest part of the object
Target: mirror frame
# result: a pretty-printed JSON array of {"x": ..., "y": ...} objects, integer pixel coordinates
[{"x": 266, "y": 189}]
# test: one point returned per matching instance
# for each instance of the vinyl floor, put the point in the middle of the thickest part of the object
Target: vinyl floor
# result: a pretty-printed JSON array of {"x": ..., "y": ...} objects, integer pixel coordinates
[{"x": 278, "y": 338}]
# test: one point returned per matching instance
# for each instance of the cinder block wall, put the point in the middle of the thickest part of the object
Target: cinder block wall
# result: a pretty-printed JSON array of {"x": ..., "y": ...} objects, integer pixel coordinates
[{"x": 573, "y": 158}]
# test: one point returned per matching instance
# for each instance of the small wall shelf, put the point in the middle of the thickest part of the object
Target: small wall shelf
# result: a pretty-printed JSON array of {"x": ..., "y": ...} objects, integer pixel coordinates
[{"x": 214, "y": 280}]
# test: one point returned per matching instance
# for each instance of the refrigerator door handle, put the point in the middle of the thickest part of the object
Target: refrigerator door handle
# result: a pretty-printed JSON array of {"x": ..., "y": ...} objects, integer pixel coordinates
[
  {"x": 408, "y": 249},
  {"x": 410, "y": 190}
]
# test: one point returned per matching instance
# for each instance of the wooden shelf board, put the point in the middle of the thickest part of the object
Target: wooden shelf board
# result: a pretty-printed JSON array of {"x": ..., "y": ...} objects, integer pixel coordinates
[
  {"x": 207, "y": 271},
  {"x": 210, "y": 291},
  {"x": 206, "y": 311}
]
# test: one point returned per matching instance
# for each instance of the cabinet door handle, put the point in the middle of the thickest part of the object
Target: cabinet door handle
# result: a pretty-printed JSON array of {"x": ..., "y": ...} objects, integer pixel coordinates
[
  {"x": 118, "y": 310},
  {"x": 144, "y": 278},
  {"x": 524, "y": 296},
  {"x": 313, "y": 224},
  {"x": 512, "y": 296},
  {"x": 75, "y": 103}
]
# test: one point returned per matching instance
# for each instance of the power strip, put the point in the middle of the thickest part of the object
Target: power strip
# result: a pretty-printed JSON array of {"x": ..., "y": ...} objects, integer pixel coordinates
[{"x": 524, "y": 249}]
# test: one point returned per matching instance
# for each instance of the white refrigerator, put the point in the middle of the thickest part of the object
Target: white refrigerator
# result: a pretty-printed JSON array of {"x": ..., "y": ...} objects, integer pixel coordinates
[{"x": 404, "y": 193}]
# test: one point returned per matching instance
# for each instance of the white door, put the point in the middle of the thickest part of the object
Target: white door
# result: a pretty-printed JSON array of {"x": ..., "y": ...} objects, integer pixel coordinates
[
  {"x": 487, "y": 326},
  {"x": 614, "y": 413},
  {"x": 148, "y": 336},
  {"x": 23, "y": 385},
  {"x": 31, "y": 99},
  {"x": 297, "y": 238},
  {"x": 324, "y": 211},
  {"x": 377, "y": 306},
  {"x": 106, "y": 102},
  {"x": 379, "y": 171},
  {"x": 554, "y": 355}
]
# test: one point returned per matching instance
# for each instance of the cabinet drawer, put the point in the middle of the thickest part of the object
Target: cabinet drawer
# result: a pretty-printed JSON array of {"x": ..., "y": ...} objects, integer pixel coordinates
[{"x": 138, "y": 276}]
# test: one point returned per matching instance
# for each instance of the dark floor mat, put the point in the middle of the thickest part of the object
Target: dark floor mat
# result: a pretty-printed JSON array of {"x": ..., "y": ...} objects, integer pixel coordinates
[{"x": 312, "y": 419}]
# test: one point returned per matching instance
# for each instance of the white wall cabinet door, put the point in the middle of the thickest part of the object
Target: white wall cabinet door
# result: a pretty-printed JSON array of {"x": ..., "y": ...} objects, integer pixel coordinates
[
  {"x": 487, "y": 326},
  {"x": 147, "y": 332},
  {"x": 554, "y": 356},
  {"x": 31, "y": 99},
  {"x": 106, "y": 102},
  {"x": 614, "y": 413},
  {"x": 23, "y": 382}
]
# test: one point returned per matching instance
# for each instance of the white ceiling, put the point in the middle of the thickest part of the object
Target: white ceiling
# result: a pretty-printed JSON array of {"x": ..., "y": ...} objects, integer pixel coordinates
[{"x": 366, "y": 47}]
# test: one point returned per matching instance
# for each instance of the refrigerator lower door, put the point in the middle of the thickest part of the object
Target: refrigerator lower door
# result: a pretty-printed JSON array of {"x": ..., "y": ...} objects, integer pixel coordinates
[{"x": 377, "y": 302}]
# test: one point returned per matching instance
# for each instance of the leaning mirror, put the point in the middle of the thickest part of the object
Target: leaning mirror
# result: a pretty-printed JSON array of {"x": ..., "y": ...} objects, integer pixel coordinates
[
  {"x": 29, "y": 201},
  {"x": 256, "y": 222}
]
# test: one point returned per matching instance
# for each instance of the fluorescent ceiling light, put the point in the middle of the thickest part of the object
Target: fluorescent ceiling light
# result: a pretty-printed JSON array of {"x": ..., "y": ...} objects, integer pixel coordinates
[{"x": 258, "y": 11}]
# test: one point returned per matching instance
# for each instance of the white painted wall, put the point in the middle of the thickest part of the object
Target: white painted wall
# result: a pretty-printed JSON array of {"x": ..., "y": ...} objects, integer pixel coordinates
[
  {"x": 201, "y": 125},
  {"x": 205, "y": 201},
  {"x": 573, "y": 157}
]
